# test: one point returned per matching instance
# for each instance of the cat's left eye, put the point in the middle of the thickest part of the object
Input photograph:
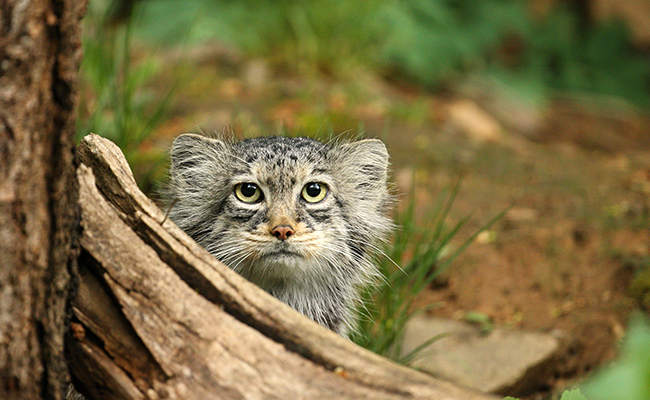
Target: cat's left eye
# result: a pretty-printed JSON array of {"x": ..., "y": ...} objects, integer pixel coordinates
[{"x": 314, "y": 192}]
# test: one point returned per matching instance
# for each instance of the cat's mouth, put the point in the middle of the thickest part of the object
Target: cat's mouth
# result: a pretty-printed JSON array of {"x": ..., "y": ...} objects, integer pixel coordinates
[
  {"x": 282, "y": 253},
  {"x": 282, "y": 250}
]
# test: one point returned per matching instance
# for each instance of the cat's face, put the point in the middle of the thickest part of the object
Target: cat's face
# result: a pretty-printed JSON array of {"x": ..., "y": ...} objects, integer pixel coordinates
[{"x": 282, "y": 210}]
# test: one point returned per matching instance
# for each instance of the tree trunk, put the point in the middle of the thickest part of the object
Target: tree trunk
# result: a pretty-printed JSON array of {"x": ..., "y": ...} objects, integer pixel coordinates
[
  {"x": 40, "y": 51},
  {"x": 161, "y": 318}
]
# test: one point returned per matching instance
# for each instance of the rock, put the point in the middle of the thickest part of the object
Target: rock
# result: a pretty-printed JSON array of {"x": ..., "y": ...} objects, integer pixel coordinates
[
  {"x": 521, "y": 215},
  {"x": 503, "y": 361},
  {"x": 519, "y": 107},
  {"x": 474, "y": 121},
  {"x": 256, "y": 75}
]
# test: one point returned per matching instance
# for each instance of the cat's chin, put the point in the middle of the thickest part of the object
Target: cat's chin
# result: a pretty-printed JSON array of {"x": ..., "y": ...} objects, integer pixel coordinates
[{"x": 284, "y": 265}]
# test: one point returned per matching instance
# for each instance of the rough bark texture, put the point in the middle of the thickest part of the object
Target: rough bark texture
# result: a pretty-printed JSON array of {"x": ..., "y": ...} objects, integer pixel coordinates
[
  {"x": 161, "y": 318},
  {"x": 40, "y": 51}
]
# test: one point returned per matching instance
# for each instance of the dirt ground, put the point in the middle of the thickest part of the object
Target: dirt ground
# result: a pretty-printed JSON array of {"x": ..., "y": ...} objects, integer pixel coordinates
[
  {"x": 573, "y": 238},
  {"x": 574, "y": 235},
  {"x": 576, "y": 188},
  {"x": 563, "y": 256}
]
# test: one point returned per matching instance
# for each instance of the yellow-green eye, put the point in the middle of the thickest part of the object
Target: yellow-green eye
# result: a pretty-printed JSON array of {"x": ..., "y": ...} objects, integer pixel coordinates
[
  {"x": 248, "y": 192},
  {"x": 313, "y": 192}
]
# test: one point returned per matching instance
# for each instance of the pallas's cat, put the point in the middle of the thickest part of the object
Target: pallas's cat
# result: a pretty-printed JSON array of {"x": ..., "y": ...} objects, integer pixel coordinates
[{"x": 300, "y": 218}]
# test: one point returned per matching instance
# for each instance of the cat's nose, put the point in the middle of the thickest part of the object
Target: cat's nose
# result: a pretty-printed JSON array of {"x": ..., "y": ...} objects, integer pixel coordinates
[{"x": 282, "y": 232}]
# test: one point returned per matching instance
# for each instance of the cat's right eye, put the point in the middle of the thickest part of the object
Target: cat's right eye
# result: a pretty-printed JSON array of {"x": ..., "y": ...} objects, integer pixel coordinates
[{"x": 248, "y": 192}]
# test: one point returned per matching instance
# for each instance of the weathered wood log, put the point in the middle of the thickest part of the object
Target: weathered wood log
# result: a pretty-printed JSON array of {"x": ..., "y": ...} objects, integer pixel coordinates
[{"x": 161, "y": 318}]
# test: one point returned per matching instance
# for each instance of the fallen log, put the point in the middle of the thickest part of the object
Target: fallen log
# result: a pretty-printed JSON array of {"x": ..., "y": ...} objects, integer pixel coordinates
[{"x": 160, "y": 318}]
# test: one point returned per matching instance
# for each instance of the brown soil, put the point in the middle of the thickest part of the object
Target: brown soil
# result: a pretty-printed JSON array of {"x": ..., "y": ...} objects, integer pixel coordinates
[
  {"x": 562, "y": 256},
  {"x": 576, "y": 192},
  {"x": 573, "y": 237}
]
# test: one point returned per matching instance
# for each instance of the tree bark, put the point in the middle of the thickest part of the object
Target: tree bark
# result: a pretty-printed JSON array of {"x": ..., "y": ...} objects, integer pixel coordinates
[
  {"x": 161, "y": 318},
  {"x": 40, "y": 52}
]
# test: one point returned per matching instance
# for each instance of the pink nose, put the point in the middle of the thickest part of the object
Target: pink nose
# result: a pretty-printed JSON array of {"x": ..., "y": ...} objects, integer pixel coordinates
[{"x": 282, "y": 232}]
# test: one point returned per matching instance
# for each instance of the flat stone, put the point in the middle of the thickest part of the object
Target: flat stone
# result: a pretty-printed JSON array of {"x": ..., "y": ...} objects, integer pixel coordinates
[
  {"x": 503, "y": 361},
  {"x": 475, "y": 122}
]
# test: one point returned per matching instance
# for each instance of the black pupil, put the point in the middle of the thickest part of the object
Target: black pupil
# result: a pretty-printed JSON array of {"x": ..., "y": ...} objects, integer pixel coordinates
[
  {"x": 313, "y": 189},
  {"x": 248, "y": 189}
]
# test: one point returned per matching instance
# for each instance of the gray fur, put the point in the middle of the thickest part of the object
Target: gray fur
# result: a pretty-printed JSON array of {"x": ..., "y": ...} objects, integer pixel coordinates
[{"x": 329, "y": 257}]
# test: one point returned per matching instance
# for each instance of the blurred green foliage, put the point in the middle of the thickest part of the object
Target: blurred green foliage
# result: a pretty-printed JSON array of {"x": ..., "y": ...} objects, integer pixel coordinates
[
  {"x": 436, "y": 43},
  {"x": 117, "y": 97},
  {"x": 316, "y": 35}
]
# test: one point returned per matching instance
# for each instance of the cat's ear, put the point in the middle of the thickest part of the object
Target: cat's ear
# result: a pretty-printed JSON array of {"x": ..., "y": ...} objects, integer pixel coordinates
[
  {"x": 190, "y": 153},
  {"x": 368, "y": 158},
  {"x": 190, "y": 150}
]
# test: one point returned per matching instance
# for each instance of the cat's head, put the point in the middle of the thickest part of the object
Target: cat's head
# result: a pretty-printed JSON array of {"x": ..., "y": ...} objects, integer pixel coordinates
[{"x": 282, "y": 210}]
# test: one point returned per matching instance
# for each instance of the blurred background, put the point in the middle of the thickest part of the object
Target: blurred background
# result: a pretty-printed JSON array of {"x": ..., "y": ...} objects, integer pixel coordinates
[{"x": 539, "y": 108}]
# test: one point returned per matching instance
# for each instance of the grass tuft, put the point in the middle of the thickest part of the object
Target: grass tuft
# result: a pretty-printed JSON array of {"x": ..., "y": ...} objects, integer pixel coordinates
[{"x": 418, "y": 254}]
